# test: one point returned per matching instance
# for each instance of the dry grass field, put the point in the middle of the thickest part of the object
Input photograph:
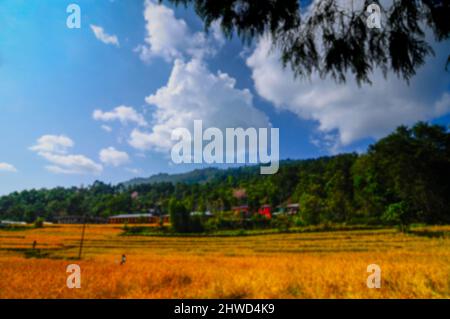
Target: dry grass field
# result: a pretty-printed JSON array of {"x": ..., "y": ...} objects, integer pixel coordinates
[{"x": 303, "y": 265}]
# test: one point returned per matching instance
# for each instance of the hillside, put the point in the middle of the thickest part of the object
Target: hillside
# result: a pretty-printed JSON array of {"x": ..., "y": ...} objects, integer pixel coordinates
[{"x": 197, "y": 176}]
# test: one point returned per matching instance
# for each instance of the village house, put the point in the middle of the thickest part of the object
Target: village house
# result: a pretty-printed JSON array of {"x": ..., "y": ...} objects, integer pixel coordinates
[
  {"x": 292, "y": 209},
  {"x": 266, "y": 210}
]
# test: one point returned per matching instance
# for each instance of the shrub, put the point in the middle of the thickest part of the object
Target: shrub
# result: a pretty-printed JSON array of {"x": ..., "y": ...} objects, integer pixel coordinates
[
  {"x": 298, "y": 221},
  {"x": 312, "y": 206},
  {"x": 196, "y": 224},
  {"x": 224, "y": 221},
  {"x": 210, "y": 225},
  {"x": 179, "y": 216},
  {"x": 281, "y": 222},
  {"x": 396, "y": 214},
  {"x": 259, "y": 221},
  {"x": 39, "y": 222}
]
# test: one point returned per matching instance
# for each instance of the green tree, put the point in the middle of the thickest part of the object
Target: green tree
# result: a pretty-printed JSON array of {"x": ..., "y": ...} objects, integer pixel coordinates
[
  {"x": 311, "y": 208},
  {"x": 332, "y": 39},
  {"x": 410, "y": 166},
  {"x": 179, "y": 216},
  {"x": 396, "y": 213}
]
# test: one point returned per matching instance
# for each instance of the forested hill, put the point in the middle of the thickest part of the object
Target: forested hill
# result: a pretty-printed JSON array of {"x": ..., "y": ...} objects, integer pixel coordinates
[
  {"x": 200, "y": 176},
  {"x": 203, "y": 175},
  {"x": 403, "y": 178},
  {"x": 195, "y": 176}
]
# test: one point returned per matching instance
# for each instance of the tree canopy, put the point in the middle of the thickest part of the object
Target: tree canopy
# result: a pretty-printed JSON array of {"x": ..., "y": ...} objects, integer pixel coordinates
[{"x": 332, "y": 39}]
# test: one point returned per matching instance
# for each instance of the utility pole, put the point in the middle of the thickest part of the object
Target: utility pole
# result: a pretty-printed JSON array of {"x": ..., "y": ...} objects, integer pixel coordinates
[{"x": 82, "y": 238}]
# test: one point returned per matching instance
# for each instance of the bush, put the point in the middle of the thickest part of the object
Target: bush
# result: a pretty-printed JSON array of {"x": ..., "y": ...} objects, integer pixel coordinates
[
  {"x": 397, "y": 214},
  {"x": 210, "y": 225},
  {"x": 39, "y": 222},
  {"x": 179, "y": 216},
  {"x": 281, "y": 222},
  {"x": 196, "y": 224},
  {"x": 182, "y": 221},
  {"x": 312, "y": 206},
  {"x": 259, "y": 221},
  {"x": 298, "y": 221},
  {"x": 394, "y": 213},
  {"x": 224, "y": 221}
]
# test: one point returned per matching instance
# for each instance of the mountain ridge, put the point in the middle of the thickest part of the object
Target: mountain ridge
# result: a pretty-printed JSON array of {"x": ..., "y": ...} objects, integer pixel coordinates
[{"x": 200, "y": 175}]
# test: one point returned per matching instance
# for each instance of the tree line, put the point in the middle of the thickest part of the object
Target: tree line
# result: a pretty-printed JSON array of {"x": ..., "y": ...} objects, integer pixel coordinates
[{"x": 403, "y": 178}]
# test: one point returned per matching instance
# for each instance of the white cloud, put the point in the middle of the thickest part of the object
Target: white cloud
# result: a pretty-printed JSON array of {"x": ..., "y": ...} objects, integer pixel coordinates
[
  {"x": 143, "y": 140},
  {"x": 71, "y": 164},
  {"x": 194, "y": 93},
  {"x": 217, "y": 33},
  {"x": 101, "y": 35},
  {"x": 113, "y": 157},
  {"x": 53, "y": 144},
  {"x": 54, "y": 149},
  {"x": 134, "y": 171},
  {"x": 5, "y": 167},
  {"x": 348, "y": 112},
  {"x": 124, "y": 114},
  {"x": 106, "y": 128},
  {"x": 170, "y": 38}
]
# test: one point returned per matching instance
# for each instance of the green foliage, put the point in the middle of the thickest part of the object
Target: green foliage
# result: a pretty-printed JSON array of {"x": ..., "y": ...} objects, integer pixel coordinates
[
  {"x": 258, "y": 222},
  {"x": 298, "y": 221},
  {"x": 224, "y": 221},
  {"x": 39, "y": 222},
  {"x": 311, "y": 208},
  {"x": 196, "y": 224},
  {"x": 410, "y": 166},
  {"x": 395, "y": 213},
  {"x": 333, "y": 38},
  {"x": 281, "y": 222},
  {"x": 179, "y": 216}
]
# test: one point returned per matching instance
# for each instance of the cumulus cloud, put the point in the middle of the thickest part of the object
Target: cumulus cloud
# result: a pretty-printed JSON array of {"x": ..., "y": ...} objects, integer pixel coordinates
[
  {"x": 54, "y": 149},
  {"x": 5, "y": 167},
  {"x": 113, "y": 157},
  {"x": 124, "y": 114},
  {"x": 143, "y": 140},
  {"x": 347, "y": 113},
  {"x": 71, "y": 164},
  {"x": 194, "y": 93},
  {"x": 53, "y": 144},
  {"x": 101, "y": 35},
  {"x": 170, "y": 38}
]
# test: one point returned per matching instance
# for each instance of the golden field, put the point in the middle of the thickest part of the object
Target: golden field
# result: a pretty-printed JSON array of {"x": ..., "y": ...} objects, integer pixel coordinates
[{"x": 300, "y": 265}]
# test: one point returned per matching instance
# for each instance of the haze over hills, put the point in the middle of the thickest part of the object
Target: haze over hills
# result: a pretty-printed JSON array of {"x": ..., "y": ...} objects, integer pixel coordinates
[
  {"x": 196, "y": 176},
  {"x": 208, "y": 174}
]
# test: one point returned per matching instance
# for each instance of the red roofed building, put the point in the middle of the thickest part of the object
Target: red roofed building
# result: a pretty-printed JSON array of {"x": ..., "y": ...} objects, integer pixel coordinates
[{"x": 265, "y": 210}]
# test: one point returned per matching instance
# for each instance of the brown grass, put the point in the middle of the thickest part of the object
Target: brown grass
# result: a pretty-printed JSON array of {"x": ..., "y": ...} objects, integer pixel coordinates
[{"x": 309, "y": 265}]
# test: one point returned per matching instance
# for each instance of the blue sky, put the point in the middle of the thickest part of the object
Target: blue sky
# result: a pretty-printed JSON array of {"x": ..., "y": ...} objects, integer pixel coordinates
[{"x": 145, "y": 69}]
